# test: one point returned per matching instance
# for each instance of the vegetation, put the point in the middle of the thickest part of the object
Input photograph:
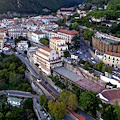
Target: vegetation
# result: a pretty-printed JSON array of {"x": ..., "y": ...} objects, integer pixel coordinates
[
  {"x": 36, "y": 6},
  {"x": 89, "y": 102},
  {"x": 12, "y": 74},
  {"x": 66, "y": 54},
  {"x": 98, "y": 3},
  {"x": 56, "y": 110},
  {"x": 19, "y": 39},
  {"x": 62, "y": 22},
  {"x": 114, "y": 5},
  {"x": 69, "y": 99},
  {"x": 74, "y": 26},
  {"x": 44, "y": 41},
  {"x": 88, "y": 34},
  {"x": 13, "y": 113}
]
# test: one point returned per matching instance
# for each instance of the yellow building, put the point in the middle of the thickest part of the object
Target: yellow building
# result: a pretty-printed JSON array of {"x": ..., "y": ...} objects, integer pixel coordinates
[
  {"x": 1, "y": 43},
  {"x": 112, "y": 59},
  {"x": 47, "y": 58},
  {"x": 59, "y": 45}
]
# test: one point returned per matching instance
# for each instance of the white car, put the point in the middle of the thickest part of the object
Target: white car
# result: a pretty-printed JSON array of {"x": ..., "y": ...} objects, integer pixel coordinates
[
  {"x": 39, "y": 80},
  {"x": 80, "y": 53},
  {"x": 92, "y": 58},
  {"x": 93, "y": 62}
]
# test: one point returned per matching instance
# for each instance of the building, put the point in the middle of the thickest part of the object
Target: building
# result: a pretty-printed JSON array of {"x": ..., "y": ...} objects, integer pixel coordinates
[
  {"x": 1, "y": 43},
  {"x": 59, "y": 45},
  {"x": 65, "y": 11},
  {"x": 112, "y": 59},
  {"x": 66, "y": 35},
  {"x": 108, "y": 47},
  {"x": 14, "y": 101},
  {"x": 47, "y": 58},
  {"x": 37, "y": 35},
  {"x": 22, "y": 45},
  {"x": 105, "y": 43},
  {"x": 15, "y": 32},
  {"x": 110, "y": 96}
]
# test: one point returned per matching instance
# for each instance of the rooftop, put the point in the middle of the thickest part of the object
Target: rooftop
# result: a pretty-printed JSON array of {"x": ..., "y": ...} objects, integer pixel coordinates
[
  {"x": 38, "y": 32},
  {"x": 45, "y": 48},
  {"x": 113, "y": 54},
  {"x": 107, "y": 37},
  {"x": 14, "y": 99},
  {"x": 73, "y": 32},
  {"x": 68, "y": 74}
]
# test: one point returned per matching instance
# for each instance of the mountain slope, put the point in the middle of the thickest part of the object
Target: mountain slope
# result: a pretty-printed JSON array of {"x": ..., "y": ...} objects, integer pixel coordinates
[{"x": 34, "y": 6}]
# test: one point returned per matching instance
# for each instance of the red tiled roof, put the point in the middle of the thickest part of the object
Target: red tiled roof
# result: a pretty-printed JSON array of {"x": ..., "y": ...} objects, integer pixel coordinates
[
  {"x": 111, "y": 94},
  {"x": 73, "y": 32},
  {"x": 38, "y": 32},
  {"x": 57, "y": 38},
  {"x": 113, "y": 54},
  {"x": 46, "y": 48}
]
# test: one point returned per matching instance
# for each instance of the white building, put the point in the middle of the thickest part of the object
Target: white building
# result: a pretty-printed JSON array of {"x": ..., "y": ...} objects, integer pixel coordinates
[
  {"x": 47, "y": 58},
  {"x": 37, "y": 35},
  {"x": 22, "y": 45}
]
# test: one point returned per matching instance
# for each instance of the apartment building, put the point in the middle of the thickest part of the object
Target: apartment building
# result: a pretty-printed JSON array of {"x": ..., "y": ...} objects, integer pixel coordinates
[
  {"x": 15, "y": 32},
  {"x": 47, "y": 58},
  {"x": 59, "y": 45},
  {"x": 66, "y": 35},
  {"x": 37, "y": 35},
  {"x": 112, "y": 59}
]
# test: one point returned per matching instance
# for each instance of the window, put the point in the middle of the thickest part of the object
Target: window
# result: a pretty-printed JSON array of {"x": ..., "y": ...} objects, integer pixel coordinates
[
  {"x": 113, "y": 58},
  {"x": 109, "y": 57}
]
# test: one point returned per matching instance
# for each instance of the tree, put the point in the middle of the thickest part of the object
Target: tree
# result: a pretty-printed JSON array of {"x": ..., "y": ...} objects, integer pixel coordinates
[
  {"x": 66, "y": 54},
  {"x": 117, "y": 110},
  {"x": 1, "y": 116},
  {"x": 89, "y": 102},
  {"x": 86, "y": 65},
  {"x": 28, "y": 103},
  {"x": 43, "y": 101},
  {"x": 88, "y": 34},
  {"x": 75, "y": 26},
  {"x": 108, "y": 112},
  {"x": 110, "y": 70},
  {"x": 73, "y": 102},
  {"x": 44, "y": 41},
  {"x": 69, "y": 99},
  {"x": 8, "y": 115},
  {"x": 58, "y": 109}
]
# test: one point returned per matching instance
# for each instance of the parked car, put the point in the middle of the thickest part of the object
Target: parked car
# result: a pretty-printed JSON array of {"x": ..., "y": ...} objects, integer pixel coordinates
[{"x": 38, "y": 80}]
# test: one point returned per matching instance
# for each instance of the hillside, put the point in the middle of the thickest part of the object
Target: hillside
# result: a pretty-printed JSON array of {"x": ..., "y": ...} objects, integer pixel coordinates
[
  {"x": 34, "y": 6},
  {"x": 114, "y": 5}
]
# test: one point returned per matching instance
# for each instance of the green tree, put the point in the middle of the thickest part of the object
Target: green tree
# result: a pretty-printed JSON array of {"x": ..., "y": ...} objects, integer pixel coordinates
[
  {"x": 58, "y": 109},
  {"x": 43, "y": 101},
  {"x": 86, "y": 65},
  {"x": 89, "y": 102},
  {"x": 28, "y": 103},
  {"x": 66, "y": 54},
  {"x": 44, "y": 41},
  {"x": 110, "y": 70},
  {"x": 69, "y": 99},
  {"x": 1, "y": 116},
  {"x": 109, "y": 113},
  {"x": 8, "y": 115},
  {"x": 75, "y": 26},
  {"x": 117, "y": 110},
  {"x": 73, "y": 102}
]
